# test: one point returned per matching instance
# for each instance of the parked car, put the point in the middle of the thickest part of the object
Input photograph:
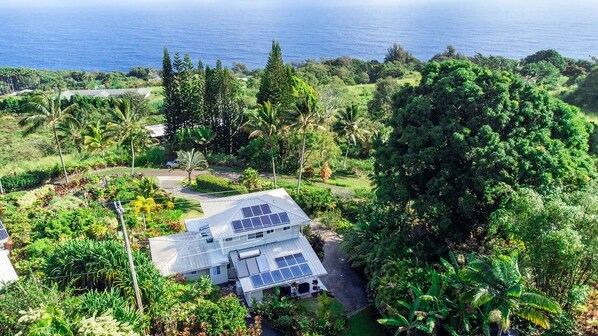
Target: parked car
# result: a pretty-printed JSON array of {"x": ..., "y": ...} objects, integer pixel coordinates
[{"x": 172, "y": 164}]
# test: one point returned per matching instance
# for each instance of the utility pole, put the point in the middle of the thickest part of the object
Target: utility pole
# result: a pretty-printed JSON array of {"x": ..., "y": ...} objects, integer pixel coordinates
[{"x": 120, "y": 211}]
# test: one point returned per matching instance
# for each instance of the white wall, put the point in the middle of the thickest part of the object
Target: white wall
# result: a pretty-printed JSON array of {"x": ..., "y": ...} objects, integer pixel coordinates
[
  {"x": 219, "y": 278},
  {"x": 196, "y": 274},
  {"x": 278, "y": 235}
]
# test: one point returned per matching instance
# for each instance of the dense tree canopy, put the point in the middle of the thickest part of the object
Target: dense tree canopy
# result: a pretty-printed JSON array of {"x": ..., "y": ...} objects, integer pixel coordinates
[
  {"x": 467, "y": 135},
  {"x": 276, "y": 83}
]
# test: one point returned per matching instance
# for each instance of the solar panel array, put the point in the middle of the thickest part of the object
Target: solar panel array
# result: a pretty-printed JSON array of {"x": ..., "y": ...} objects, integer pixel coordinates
[
  {"x": 3, "y": 232},
  {"x": 291, "y": 267},
  {"x": 258, "y": 217}
]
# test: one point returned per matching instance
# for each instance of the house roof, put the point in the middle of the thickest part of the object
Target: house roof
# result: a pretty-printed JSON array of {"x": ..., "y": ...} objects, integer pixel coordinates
[
  {"x": 156, "y": 131},
  {"x": 185, "y": 252},
  {"x": 221, "y": 212},
  {"x": 7, "y": 272},
  {"x": 145, "y": 92},
  {"x": 269, "y": 253}
]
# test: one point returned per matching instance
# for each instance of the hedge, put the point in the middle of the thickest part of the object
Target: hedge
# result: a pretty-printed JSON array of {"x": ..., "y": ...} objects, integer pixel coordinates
[{"x": 210, "y": 183}]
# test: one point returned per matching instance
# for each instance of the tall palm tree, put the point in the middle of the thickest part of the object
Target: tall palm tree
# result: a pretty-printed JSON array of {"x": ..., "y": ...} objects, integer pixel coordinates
[
  {"x": 191, "y": 160},
  {"x": 497, "y": 284},
  {"x": 350, "y": 126},
  {"x": 71, "y": 132},
  {"x": 126, "y": 127},
  {"x": 47, "y": 111},
  {"x": 304, "y": 117},
  {"x": 265, "y": 123},
  {"x": 96, "y": 139},
  {"x": 200, "y": 136}
]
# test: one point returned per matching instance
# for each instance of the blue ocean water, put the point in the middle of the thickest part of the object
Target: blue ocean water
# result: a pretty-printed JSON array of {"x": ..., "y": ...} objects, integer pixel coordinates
[{"x": 113, "y": 38}]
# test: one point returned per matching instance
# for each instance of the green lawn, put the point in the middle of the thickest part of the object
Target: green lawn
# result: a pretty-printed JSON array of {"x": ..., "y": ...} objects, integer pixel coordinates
[
  {"x": 189, "y": 207},
  {"x": 339, "y": 183},
  {"x": 364, "y": 323}
]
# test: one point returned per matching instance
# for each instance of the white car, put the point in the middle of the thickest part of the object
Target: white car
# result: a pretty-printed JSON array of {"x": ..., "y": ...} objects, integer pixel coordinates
[{"x": 172, "y": 164}]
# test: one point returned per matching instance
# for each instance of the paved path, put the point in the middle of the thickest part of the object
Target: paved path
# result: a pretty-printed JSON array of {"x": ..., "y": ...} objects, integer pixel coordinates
[
  {"x": 342, "y": 280},
  {"x": 172, "y": 185}
]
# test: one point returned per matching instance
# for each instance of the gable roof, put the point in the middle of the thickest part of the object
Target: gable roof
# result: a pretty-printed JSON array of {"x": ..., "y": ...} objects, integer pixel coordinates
[
  {"x": 221, "y": 212},
  {"x": 185, "y": 252},
  {"x": 7, "y": 272}
]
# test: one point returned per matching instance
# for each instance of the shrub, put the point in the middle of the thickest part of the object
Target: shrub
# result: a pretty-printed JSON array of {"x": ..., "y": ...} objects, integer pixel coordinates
[
  {"x": 325, "y": 172},
  {"x": 25, "y": 180},
  {"x": 314, "y": 200},
  {"x": 309, "y": 172},
  {"x": 211, "y": 183}
]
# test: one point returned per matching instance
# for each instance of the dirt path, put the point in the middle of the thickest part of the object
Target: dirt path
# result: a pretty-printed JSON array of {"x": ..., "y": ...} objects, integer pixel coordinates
[{"x": 342, "y": 280}]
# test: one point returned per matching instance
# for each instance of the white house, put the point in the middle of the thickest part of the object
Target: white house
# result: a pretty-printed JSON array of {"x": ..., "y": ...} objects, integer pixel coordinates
[
  {"x": 7, "y": 272},
  {"x": 253, "y": 240}
]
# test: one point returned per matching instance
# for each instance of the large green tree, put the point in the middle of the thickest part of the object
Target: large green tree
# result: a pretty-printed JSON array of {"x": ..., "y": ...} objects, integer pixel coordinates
[
  {"x": 558, "y": 235},
  {"x": 276, "y": 84},
  {"x": 467, "y": 135},
  {"x": 47, "y": 111}
]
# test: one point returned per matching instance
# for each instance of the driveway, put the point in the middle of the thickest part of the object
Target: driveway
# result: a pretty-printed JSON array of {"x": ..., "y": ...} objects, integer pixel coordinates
[
  {"x": 342, "y": 280},
  {"x": 172, "y": 185}
]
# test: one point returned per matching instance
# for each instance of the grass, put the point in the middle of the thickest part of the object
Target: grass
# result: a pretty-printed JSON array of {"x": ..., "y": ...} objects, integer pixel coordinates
[
  {"x": 364, "y": 323},
  {"x": 339, "y": 183},
  {"x": 189, "y": 207}
]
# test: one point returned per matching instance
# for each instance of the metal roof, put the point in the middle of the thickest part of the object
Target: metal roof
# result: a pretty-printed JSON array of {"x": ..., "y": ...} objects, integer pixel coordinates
[
  {"x": 7, "y": 272},
  {"x": 220, "y": 212},
  {"x": 185, "y": 252},
  {"x": 284, "y": 248},
  {"x": 105, "y": 93}
]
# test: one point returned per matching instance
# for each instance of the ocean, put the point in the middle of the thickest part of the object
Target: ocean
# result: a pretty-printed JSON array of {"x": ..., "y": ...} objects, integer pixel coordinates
[{"x": 110, "y": 38}]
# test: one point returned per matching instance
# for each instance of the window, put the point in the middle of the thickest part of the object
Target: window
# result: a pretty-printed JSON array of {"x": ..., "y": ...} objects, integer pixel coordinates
[
  {"x": 255, "y": 235},
  {"x": 286, "y": 228},
  {"x": 269, "y": 231},
  {"x": 228, "y": 239},
  {"x": 232, "y": 239},
  {"x": 210, "y": 240},
  {"x": 204, "y": 234},
  {"x": 216, "y": 270}
]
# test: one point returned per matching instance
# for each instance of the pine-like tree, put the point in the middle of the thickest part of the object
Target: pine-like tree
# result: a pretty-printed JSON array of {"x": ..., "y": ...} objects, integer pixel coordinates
[
  {"x": 169, "y": 110},
  {"x": 276, "y": 82}
]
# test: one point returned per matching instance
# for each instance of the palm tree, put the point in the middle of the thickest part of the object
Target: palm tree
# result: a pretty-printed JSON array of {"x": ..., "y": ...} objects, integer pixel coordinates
[
  {"x": 350, "y": 126},
  {"x": 71, "y": 132},
  {"x": 265, "y": 123},
  {"x": 47, "y": 111},
  {"x": 147, "y": 187},
  {"x": 96, "y": 140},
  {"x": 427, "y": 312},
  {"x": 191, "y": 160},
  {"x": 304, "y": 117},
  {"x": 191, "y": 137},
  {"x": 127, "y": 127},
  {"x": 497, "y": 284}
]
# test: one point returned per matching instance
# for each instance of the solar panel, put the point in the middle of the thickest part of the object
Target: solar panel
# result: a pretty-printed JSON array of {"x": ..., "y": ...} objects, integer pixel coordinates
[
  {"x": 252, "y": 266},
  {"x": 275, "y": 219},
  {"x": 284, "y": 217},
  {"x": 3, "y": 232},
  {"x": 290, "y": 260},
  {"x": 299, "y": 258},
  {"x": 258, "y": 217},
  {"x": 266, "y": 220},
  {"x": 277, "y": 276},
  {"x": 237, "y": 225},
  {"x": 242, "y": 270},
  {"x": 280, "y": 262},
  {"x": 247, "y": 212},
  {"x": 267, "y": 277},
  {"x": 286, "y": 273},
  {"x": 265, "y": 209},
  {"x": 305, "y": 269},
  {"x": 257, "y": 280},
  {"x": 257, "y": 211},
  {"x": 296, "y": 271},
  {"x": 262, "y": 264}
]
